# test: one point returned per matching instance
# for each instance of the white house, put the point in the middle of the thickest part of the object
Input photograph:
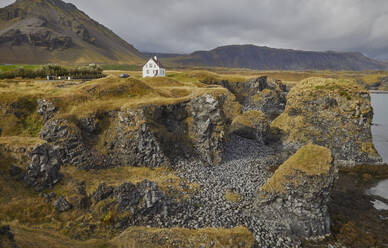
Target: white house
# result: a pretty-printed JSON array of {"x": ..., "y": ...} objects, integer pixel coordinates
[{"x": 153, "y": 68}]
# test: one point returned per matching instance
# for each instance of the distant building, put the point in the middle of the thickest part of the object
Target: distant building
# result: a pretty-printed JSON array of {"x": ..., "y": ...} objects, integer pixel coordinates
[
  {"x": 153, "y": 68},
  {"x": 50, "y": 78}
]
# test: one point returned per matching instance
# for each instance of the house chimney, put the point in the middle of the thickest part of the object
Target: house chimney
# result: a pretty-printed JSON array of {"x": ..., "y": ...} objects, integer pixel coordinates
[{"x": 156, "y": 58}]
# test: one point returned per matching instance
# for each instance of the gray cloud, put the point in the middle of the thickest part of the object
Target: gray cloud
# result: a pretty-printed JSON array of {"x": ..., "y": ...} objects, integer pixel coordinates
[{"x": 187, "y": 25}]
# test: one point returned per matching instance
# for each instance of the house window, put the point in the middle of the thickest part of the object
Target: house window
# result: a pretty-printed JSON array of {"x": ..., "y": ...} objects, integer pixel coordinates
[{"x": 148, "y": 72}]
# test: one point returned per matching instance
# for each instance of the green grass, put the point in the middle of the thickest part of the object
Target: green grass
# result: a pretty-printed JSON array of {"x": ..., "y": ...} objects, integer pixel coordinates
[
  {"x": 121, "y": 67},
  {"x": 6, "y": 68}
]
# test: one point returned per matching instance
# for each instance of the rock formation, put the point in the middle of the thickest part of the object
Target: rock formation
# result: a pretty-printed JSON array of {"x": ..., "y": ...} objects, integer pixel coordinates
[
  {"x": 252, "y": 125},
  {"x": 7, "y": 238},
  {"x": 67, "y": 139},
  {"x": 260, "y": 94},
  {"x": 333, "y": 113},
  {"x": 43, "y": 170},
  {"x": 61, "y": 204},
  {"x": 293, "y": 202}
]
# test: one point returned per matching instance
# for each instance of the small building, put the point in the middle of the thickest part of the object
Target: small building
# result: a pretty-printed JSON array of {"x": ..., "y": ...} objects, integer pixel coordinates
[
  {"x": 153, "y": 68},
  {"x": 50, "y": 78}
]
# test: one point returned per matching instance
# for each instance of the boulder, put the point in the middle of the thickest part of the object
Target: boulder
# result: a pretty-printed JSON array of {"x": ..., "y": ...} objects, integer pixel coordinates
[
  {"x": 102, "y": 192},
  {"x": 252, "y": 125},
  {"x": 293, "y": 202},
  {"x": 61, "y": 204},
  {"x": 260, "y": 94},
  {"x": 207, "y": 128},
  {"x": 46, "y": 109},
  {"x": 43, "y": 170},
  {"x": 333, "y": 113},
  {"x": 127, "y": 196},
  {"x": 7, "y": 238},
  {"x": 67, "y": 139}
]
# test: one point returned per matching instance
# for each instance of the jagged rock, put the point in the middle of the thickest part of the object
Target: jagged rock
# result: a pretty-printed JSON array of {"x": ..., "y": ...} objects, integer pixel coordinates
[
  {"x": 127, "y": 196},
  {"x": 67, "y": 139},
  {"x": 293, "y": 202},
  {"x": 46, "y": 109},
  {"x": 208, "y": 128},
  {"x": 88, "y": 124},
  {"x": 62, "y": 205},
  {"x": 7, "y": 238},
  {"x": 43, "y": 170},
  {"x": 102, "y": 192},
  {"x": 260, "y": 94},
  {"x": 131, "y": 142},
  {"x": 252, "y": 125},
  {"x": 333, "y": 113}
]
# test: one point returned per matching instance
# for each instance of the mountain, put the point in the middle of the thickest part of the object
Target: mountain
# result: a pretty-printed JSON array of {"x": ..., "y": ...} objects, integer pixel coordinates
[
  {"x": 265, "y": 58},
  {"x": 162, "y": 55},
  {"x": 52, "y": 31}
]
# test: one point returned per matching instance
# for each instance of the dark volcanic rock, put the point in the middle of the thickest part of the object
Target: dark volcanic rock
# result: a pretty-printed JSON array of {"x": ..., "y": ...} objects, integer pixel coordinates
[
  {"x": 43, "y": 170},
  {"x": 46, "y": 109},
  {"x": 336, "y": 114},
  {"x": 102, "y": 192},
  {"x": 62, "y": 205},
  {"x": 127, "y": 196},
  {"x": 67, "y": 139},
  {"x": 260, "y": 94},
  {"x": 293, "y": 202},
  {"x": 252, "y": 125},
  {"x": 7, "y": 238}
]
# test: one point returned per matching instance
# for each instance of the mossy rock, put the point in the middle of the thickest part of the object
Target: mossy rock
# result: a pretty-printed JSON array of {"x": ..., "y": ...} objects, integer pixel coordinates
[
  {"x": 335, "y": 113},
  {"x": 251, "y": 124},
  {"x": 310, "y": 160}
]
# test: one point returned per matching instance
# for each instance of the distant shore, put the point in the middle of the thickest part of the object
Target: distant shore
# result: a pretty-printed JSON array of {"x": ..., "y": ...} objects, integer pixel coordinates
[{"x": 378, "y": 91}]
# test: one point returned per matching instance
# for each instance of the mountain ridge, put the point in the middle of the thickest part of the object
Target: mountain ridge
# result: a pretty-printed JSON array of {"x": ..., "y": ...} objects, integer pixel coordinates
[
  {"x": 266, "y": 58},
  {"x": 47, "y": 31}
]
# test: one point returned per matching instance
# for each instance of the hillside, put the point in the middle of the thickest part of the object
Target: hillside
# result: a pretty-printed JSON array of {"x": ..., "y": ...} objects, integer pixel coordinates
[
  {"x": 52, "y": 31},
  {"x": 265, "y": 58}
]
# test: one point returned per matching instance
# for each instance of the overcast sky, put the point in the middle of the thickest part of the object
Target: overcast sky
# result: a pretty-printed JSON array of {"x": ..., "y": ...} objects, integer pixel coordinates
[{"x": 183, "y": 26}]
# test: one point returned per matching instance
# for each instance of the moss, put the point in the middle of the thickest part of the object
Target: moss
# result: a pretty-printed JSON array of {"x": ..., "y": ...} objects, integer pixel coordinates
[
  {"x": 309, "y": 160},
  {"x": 232, "y": 196},
  {"x": 249, "y": 118},
  {"x": 180, "y": 237}
]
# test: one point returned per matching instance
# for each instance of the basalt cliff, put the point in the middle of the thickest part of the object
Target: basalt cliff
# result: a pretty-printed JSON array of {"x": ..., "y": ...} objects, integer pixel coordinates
[{"x": 207, "y": 163}]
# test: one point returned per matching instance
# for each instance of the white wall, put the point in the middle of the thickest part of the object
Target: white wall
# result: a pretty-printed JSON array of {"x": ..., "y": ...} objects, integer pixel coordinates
[{"x": 149, "y": 70}]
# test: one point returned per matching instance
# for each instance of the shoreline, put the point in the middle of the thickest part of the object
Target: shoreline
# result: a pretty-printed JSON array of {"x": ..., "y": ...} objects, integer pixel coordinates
[{"x": 378, "y": 91}]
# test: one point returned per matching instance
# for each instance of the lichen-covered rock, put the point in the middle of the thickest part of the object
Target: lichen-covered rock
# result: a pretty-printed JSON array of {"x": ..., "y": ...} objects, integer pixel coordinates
[
  {"x": 67, "y": 139},
  {"x": 130, "y": 140},
  {"x": 293, "y": 202},
  {"x": 333, "y": 113},
  {"x": 7, "y": 238},
  {"x": 154, "y": 135},
  {"x": 46, "y": 109},
  {"x": 260, "y": 94},
  {"x": 208, "y": 128},
  {"x": 43, "y": 170},
  {"x": 62, "y": 205},
  {"x": 102, "y": 192},
  {"x": 252, "y": 125}
]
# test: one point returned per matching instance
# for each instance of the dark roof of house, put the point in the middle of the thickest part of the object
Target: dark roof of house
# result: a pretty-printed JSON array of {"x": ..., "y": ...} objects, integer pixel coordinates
[{"x": 156, "y": 61}]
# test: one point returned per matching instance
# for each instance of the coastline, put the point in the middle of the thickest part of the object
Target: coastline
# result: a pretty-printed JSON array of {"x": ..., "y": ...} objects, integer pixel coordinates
[{"x": 378, "y": 91}]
